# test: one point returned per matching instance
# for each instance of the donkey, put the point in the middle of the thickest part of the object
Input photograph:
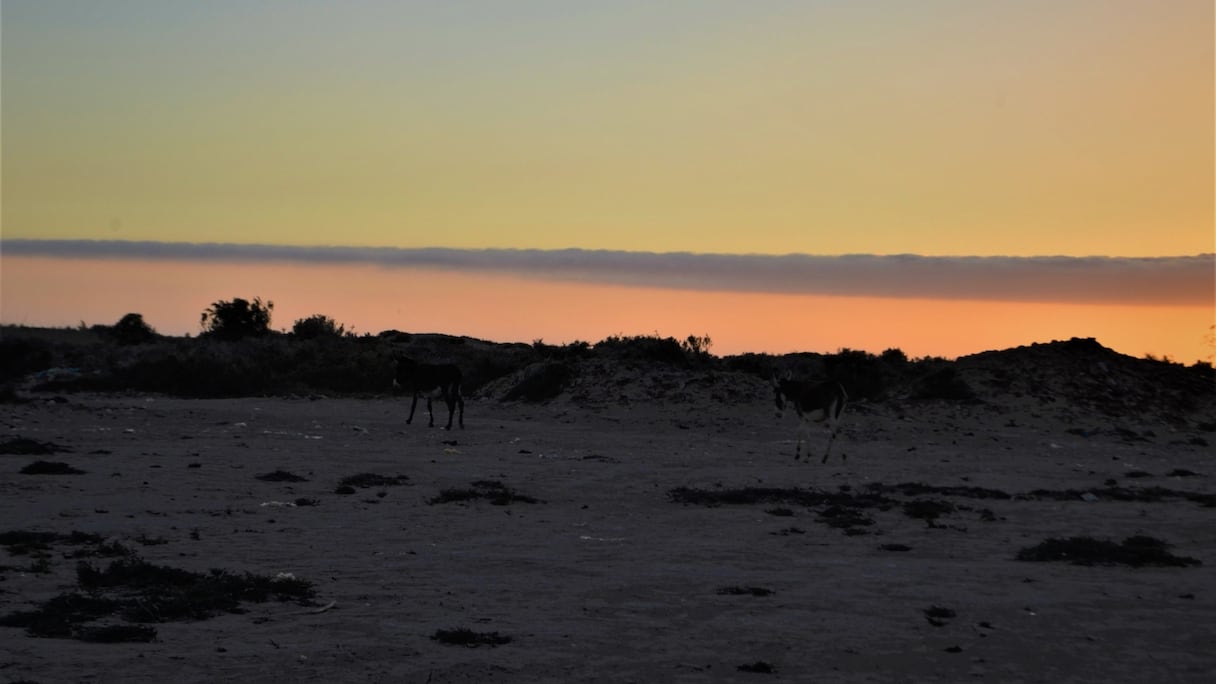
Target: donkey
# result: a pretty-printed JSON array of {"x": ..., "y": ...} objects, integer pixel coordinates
[
  {"x": 435, "y": 381},
  {"x": 820, "y": 402}
]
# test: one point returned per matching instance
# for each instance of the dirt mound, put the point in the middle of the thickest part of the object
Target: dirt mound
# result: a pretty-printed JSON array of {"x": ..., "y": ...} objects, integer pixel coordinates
[
  {"x": 595, "y": 382},
  {"x": 1084, "y": 374}
]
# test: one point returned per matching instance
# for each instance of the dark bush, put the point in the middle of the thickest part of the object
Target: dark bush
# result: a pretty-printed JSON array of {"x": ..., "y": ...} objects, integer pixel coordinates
[
  {"x": 759, "y": 365},
  {"x": 50, "y": 468},
  {"x": 863, "y": 375},
  {"x": 30, "y": 447},
  {"x": 697, "y": 345},
  {"x": 494, "y": 492},
  {"x": 653, "y": 348},
  {"x": 928, "y": 509},
  {"x": 1135, "y": 551},
  {"x": 943, "y": 383},
  {"x": 463, "y": 636},
  {"x": 237, "y": 319},
  {"x": 744, "y": 591},
  {"x": 19, "y": 357},
  {"x": 365, "y": 480},
  {"x": 131, "y": 329},
  {"x": 280, "y": 476},
  {"x": 541, "y": 381},
  {"x": 317, "y": 326}
]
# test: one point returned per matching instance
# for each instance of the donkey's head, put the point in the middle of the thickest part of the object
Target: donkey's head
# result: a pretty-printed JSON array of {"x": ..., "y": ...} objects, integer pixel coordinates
[{"x": 405, "y": 366}]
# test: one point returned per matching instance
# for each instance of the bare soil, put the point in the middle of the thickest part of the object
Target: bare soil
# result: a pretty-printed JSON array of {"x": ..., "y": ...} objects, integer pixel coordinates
[{"x": 620, "y": 541}]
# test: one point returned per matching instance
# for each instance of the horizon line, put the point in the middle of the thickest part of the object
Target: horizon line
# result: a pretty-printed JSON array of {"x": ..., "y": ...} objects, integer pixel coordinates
[{"x": 1185, "y": 280}]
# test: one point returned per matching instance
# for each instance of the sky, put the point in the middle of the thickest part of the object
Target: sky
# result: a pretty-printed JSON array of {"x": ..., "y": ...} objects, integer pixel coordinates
[{"x": 944, "y": 176}]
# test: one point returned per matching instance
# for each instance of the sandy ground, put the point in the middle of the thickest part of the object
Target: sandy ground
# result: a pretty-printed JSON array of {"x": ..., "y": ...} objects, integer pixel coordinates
[{"x": 606, "y": 578}]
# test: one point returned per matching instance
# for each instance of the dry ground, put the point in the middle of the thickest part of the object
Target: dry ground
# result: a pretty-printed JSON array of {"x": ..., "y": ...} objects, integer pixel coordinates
[{"x": 604, "y": 577}]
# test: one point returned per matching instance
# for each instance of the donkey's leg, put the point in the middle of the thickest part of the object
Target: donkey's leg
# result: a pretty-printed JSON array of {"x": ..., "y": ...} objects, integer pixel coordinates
[
  {"x": 451, "y": 402},
  {"x": 828, "y": 450},
  {"x": 413, "y": 406},
  {"x": 429, "y": 412},
  {"x": 803, "y": 433},
  {"x": 831, "y": 419}
]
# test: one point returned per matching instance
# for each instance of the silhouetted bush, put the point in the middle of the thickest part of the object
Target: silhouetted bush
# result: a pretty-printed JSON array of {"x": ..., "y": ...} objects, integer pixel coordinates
[
  {"x": 317, "y": 326},
  {"x": 237, "y": 319},
  {"x": 759, "y": 365},
  {"x": 131, "y": 329},
  {"x": 644, "y": 348},
  {"x": 697, "y": 345},
  {"x": 864, "y": 376},
  {"x": 1137, "y": 551}
]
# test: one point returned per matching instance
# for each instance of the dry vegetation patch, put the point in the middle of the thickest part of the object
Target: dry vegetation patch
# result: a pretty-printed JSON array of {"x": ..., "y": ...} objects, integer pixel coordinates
[
  {"x": 24, "y": 446},
  {"x": 493, "y": 491},
  {"x": 744, "y": 591},
  {"x": 463, "y": 636},
  {"x": 107, "y": 599},
  {"x": 50, "y": 468},
  {"x": 366, "y": 480},
  {"x": 280, "y": 476},
  {"x": 1137, "y": 551}
]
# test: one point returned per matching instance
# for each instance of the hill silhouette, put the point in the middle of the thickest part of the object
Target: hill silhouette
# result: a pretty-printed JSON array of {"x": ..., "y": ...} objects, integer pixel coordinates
[{"x": 1070, "y": 375}]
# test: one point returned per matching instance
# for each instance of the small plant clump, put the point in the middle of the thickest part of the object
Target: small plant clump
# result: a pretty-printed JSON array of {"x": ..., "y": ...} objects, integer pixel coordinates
[
  {"x": 758, "y": 667},
  {"x": 280, "y": 476},
  {"x": 50, "y": 468},
  {"x": 365, "y": 480},
  {"x": 25, "y": 542},
  {"x": 24, "y": 446},
  {"x": 462, "y": 636},
  {"x": 928, "y": 509},
  {"x": 128, "y": 590},
  {"x": 938, "y": 616},
  {"x": 1137, "y": 551},
  {"x": 493, "y": 491},
  {"x": 745, "y": 591}
]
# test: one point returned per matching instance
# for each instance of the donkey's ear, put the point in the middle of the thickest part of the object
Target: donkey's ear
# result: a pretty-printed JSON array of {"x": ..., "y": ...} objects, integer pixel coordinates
[{"x": 789, "y": 375}]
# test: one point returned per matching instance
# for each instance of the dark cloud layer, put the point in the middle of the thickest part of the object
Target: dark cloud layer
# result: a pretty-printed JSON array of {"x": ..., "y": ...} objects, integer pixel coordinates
[{"x": 1182, "y": 280}]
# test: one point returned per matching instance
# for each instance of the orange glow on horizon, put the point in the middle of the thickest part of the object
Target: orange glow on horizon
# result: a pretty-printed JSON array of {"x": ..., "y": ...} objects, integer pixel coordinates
[{"x": 172, "y": 295}]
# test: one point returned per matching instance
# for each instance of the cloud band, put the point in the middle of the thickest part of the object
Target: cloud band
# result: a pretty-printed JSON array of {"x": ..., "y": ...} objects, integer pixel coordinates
[{"x": 1175, "y": 280}]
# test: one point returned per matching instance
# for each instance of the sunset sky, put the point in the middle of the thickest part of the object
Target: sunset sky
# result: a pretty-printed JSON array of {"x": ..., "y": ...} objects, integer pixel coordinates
[{"x": 781, "y": 175}]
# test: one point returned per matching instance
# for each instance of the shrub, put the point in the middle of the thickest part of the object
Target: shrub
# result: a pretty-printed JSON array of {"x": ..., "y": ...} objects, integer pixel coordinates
[
  {"x": 237, "y": 319},
  {"x": 697, "y": 346},
  {"x": 541, "y": 381},
  {"x": 943, "y": 383},
  {"x": 20, "y": 357},
  {"x": 1136, "y": 551},
  {"x": 131, "y": 329},
  {"x": 863, "y": 375},
  {"x": 317, "y": 326},
  {"x": 463, "y": 636},
  {"x": 644, "y": 348}
]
